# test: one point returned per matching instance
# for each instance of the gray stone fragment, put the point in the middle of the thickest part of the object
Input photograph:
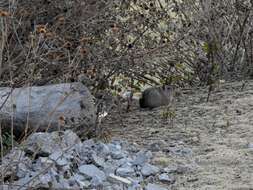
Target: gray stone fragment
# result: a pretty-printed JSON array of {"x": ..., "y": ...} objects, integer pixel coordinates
[
  {"x": 116, "y": 151},
  {"x": 96, "y": 181},
  {"x": 81, "y": 181},
  {"x": 149, "y": 169},
  {"x": 166, "y": 178},
  {"x": 142, "y": 157},
  {"x": 151, "y": 186},
  {"x": 114, "y": 147},
  {"x": 86, "y": 149},
  {"x": 110, "y": 186},
  {"x": 42, "y": 163},
  {"x": 78, "y": 177},
  {"x": 85, "y": 184},
  {"x": 125, "y": 171},
  {"x": 70, "y": 138},
  {"x": 64, "y": 183},
  {"x": 28, "y": 181},
  {"x": 85, "y": 155},
  {"x": 43, "y": 143},
  {"x": 58, "y": 157},
  {"x": 36, "y": 180},
  {"x": 98, "y": 161},
  {"x": 91, "y": 171},
  {"x": 117, "y": 179},
  {"x": 135, "y": 188},
  {"x": 149, "y": 154},
  {"x": 15, "y": 155},
  {"x": 88, "y": 143},
  {"x": 125, "y": 160},
  {"x": 170, "y": 169},
  {"x": 103, "y": 149},
  {"x": 109, "y": 168},
  {"x": 15, "y": 163},
  {"x": 117, "y": 155},
  {"x": 22, "y": 170},
  {"x": 45, "y": 179}
]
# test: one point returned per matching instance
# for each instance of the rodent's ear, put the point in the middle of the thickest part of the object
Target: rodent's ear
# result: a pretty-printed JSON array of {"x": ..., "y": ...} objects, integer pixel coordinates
[
  {"x": 164, "y": 86},
  {"x": 169, "y": 88}
]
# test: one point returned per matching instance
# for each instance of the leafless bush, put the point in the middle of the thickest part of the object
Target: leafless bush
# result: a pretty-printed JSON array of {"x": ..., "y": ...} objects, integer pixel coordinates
[{"x": 44, "y": 41}]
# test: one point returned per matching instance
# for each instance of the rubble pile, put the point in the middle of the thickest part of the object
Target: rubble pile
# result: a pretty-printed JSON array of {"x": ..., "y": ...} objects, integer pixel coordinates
[{"x": 59, "y": 160}]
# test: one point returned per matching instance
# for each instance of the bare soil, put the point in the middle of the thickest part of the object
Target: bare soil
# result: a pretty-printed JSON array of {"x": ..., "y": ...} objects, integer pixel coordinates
[{"x": 213, "y": 137}]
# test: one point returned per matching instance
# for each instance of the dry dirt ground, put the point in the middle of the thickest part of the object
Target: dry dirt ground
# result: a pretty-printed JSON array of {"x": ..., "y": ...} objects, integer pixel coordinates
[{"x": 213, "y": 141}]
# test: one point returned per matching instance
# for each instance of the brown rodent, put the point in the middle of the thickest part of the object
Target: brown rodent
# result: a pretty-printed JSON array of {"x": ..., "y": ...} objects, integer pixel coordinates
[{"x": 156, "y": 96}]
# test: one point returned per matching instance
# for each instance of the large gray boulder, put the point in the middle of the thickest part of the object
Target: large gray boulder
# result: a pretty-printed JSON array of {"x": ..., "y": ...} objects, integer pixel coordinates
[{"x": 47, "y": 108}]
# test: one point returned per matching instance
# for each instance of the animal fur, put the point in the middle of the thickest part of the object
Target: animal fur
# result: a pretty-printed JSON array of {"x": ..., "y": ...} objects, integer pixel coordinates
[{"x": 156, "y": 96}]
